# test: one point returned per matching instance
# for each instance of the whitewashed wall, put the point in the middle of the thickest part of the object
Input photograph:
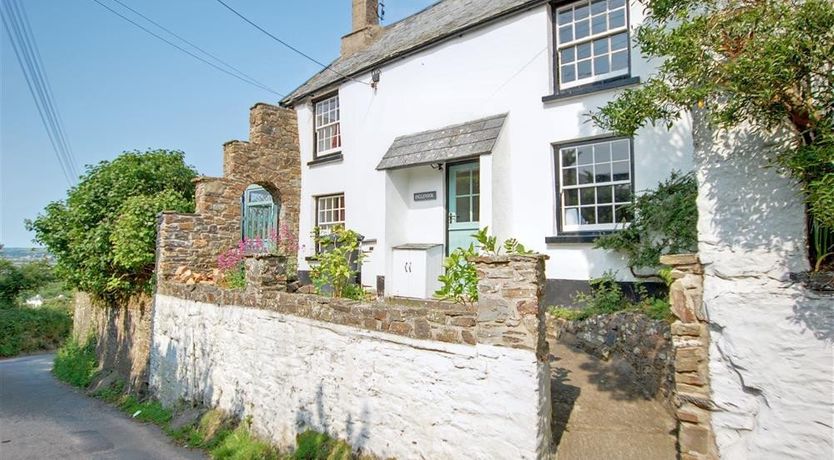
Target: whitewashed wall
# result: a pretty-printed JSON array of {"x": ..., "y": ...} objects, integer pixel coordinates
[
  {"x": 386, "y": 394},
  {"x": 502, "y": 68},
  {"x": 771, "y": 356}
]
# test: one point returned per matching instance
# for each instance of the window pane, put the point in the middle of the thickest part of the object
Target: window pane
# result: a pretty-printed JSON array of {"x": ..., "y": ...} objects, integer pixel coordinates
[
  {"x": 619, "y": 60},
  {"x": 622, "y": 213},
  {"x": 568, "y": 157},
  {"x": 462, "y": 209},
  {"x": 601, "y": 65},
  {"x": 600, "y": 46},
  {"x": 615, "y": 3},
  {"x": 569, "y": 177},
  {"x": 603, "y": 172},
  {"x": 622, "y": 193},
  {"x": 620, "y": 170},
  {"x": 584, "y": 69},
  {"x": 605, "y": 215},
  {"x": 565, "y": 34},
  {"x": 462, "y": 183},
  {"x": 587, "y": 196},
  {"x": 476, "y": 208},
  {"x": 568, "y": 73},
  {"x": 616, "y": 19},
  {"x": 476, "y": 181},
  {"x": 568, "y": 55},
  {"x": 604, "y": 194},
  {"x": 598, "y": 25},
  {"x": 586, "y": 174},
  {"x": 571, "y": 197},
  {"x": 602, "y": 153},
  {"x": 619, "y": 41},
  {"x": 581, "y": 12},
  {"x": 565, "y": 16},
  {"x": 586, "y": 156},
  {"x": 588, "y": 215},
  {"x": 598, "y": 6},
  {"x": 619, "y": 150},
  {"x": 582, "y": 29},
  {"x": 583, "y": 51},
  {"x": 571, "y": 216}
]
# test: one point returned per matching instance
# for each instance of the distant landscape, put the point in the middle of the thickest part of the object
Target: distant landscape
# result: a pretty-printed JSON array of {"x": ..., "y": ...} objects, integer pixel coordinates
[{"x": 23, "y": 255}]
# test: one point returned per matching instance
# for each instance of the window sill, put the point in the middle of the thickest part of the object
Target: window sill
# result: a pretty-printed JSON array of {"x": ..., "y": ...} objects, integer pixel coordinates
[
  {"x": 577, "y": 237},
  {"x": 592, "y": 88},
  {"x": 329, "y": 158}
]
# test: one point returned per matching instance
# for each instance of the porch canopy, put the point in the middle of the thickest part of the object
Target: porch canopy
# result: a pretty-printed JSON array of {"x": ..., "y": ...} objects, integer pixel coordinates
[{"x": 455, "y": 142}]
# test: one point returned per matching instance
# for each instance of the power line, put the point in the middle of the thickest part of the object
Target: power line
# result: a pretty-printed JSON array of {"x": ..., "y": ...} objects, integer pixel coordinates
[
  {"x": 33, "y": 74},
  {"x": 310, "y": 58},
  {"x": 174, "y": 34},
  {"x": 263, "y": 87}
]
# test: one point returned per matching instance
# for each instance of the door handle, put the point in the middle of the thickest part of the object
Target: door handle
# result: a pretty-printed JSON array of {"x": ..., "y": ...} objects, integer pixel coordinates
[{"x": 452, "y": 218}]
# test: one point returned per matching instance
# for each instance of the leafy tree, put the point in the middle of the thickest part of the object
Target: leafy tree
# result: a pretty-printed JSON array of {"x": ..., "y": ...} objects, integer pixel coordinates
[
  {"x": 103, "y": 234},
  {"x": 664, "y": 222},
  {"x": 766, "y": 63}
]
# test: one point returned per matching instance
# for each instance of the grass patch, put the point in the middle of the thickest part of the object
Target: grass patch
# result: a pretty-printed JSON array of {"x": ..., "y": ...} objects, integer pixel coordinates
[
  {"x": 241, "y": 444},
  {"x": 76, "y": 363},
  {"x": 312, "y": 445},
  {"x": 146, "y": 411},
  {"x": 25, "y": 330}
]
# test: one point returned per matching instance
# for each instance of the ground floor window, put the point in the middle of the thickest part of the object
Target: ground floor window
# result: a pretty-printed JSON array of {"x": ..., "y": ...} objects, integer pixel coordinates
[
  {"x": 330, "y": 212},
  {"x": 594, "y": 181}
]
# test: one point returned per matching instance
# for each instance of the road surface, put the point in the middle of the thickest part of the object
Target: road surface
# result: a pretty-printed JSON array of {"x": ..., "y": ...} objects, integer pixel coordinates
[{"x": 41, "y": 418}]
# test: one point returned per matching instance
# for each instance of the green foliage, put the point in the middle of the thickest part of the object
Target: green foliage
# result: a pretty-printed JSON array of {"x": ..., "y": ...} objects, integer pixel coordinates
[
  {"x": 664, "y": 222},
  {"x": 76, "y": 362},
  {"x": 606, "y": 297},
  {"x": 150, "y": 411},
  {"x": 312, "y": 445},
  {"x": 102, "y": 234},
  {"x": 24, "y": 330},
  {"x": 488, "y": 244},
  {"x": 768, "y": 64},
  {"x": 241, "y": 444},
  {"x": 235, "y": 278},
  {"x": 459, "y": 281},
  {"x": 15, "y": 281},
  {"x": 340, "y": 249}
]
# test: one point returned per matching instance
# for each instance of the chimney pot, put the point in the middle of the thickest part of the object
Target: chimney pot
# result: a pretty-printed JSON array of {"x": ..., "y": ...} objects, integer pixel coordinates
[{"x": 366, "y": 26}]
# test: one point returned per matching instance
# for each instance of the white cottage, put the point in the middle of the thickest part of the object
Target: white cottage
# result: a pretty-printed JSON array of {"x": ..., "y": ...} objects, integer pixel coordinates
[{"x": 473, "y": 113}]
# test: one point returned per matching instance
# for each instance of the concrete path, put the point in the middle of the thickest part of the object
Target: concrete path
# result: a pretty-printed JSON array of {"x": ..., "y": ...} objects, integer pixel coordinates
[
  {"x": 597, "y": 414},
  {"x": 41, "y": 418}
]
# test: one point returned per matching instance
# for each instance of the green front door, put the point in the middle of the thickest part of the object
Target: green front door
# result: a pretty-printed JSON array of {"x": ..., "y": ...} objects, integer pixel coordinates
[{"x": 463, "y": 204}]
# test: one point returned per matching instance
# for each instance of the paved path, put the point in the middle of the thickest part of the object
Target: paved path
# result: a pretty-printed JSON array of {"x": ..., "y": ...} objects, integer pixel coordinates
[
  {"x": 598, "y": 415},
  {"x": 41, "y": 418}
]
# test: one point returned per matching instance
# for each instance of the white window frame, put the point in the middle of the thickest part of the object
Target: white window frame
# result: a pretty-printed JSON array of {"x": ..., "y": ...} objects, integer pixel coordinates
[
  {"x": 333, "y": 204},
  {"x": 574, "y": 43},
  {"x": 320, "y": 128},
  {"x": 560, "y": 150}
]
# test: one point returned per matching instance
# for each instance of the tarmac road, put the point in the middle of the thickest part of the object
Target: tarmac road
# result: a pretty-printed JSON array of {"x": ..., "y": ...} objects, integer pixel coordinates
[{"x": 41, "y": 418}]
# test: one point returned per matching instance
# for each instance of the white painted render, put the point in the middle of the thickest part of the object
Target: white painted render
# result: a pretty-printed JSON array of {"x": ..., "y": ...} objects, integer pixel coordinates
[
  {"x": 502, "y": 68},
  {"x": 771, "y": 355},
  {"x": 388, "y": 395}
]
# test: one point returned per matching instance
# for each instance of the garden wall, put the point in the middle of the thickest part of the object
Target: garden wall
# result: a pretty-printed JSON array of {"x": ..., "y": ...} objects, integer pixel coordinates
[
  {"x": 771, "y": 355},
  {"x": 122, "y": 330},
  {"x": 414, "y": 380}
]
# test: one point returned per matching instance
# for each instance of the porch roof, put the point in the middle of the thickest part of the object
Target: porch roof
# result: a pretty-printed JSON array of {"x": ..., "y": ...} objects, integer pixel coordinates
[{"x": 450, "y": 143}]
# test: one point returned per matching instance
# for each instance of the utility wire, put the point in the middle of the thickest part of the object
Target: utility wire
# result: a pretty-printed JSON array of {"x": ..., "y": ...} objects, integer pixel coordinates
[
  {"x": 263, "y": 87},
  {"x": 32, "y": 75},
  {"x": 174, "y": 34},
  {"x": 310, "y": 58},
  {"x": 32, "y": 45}
]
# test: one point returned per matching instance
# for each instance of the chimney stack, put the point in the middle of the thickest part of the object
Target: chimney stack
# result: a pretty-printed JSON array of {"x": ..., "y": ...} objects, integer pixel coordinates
[{"x": 366, "y": 26}]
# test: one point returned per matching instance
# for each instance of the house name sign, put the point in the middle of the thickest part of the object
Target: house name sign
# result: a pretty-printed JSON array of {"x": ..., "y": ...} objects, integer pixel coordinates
[{"x": 425, "y": 196}]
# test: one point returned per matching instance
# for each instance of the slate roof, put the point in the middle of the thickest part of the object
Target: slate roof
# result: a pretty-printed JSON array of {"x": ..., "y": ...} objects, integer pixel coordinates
[
  {"x": 453, "y": 142},
  {"x": 441, "y": 20}
]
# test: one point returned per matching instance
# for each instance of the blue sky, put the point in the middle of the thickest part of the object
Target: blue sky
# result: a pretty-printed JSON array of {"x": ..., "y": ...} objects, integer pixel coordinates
[{"x": 118, "y": 88}]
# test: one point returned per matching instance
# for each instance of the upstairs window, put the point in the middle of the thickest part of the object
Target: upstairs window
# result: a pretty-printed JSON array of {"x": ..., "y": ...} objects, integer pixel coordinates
[
  {"x": 591, "y": 42},
  {"x": 328, "y": 135},
  {"x": 594, "y": 184}
]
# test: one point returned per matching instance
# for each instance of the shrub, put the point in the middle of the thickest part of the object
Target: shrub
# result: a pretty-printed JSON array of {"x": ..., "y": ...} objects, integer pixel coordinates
[
  {"x": 76, "y": 363},
  {"x": 339, "y": 251},
  {"x": 312, "y": 445},
  {"x": 24, "y": 330},
  {"x": 241, "y": 444},
  {"x": 607, "y": 297},
  {"x": 102, "y": 234},
  {"x": 16, "y": 281},
  {"x": 664, "y": 222}
]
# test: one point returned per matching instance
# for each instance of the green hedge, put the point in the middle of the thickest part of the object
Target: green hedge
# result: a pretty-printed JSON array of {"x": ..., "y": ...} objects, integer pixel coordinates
[{"x": 24, "y": 330}]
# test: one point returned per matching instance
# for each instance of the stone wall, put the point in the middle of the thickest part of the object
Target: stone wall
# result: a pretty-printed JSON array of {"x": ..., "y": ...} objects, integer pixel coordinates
[
  {"x": 123, "y": 333},
  {"x": 396, "y": 379},
  {"x": 643, "y": 344},
  {"x": 690, "y": 339},
  {"x": 271, "y": 159},
  {"x": 771, "y": 353}
]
